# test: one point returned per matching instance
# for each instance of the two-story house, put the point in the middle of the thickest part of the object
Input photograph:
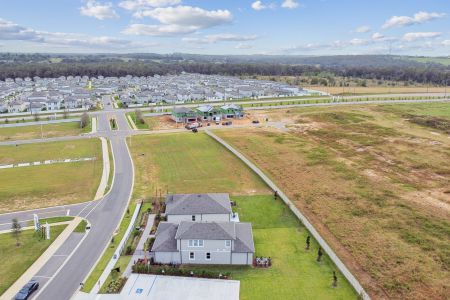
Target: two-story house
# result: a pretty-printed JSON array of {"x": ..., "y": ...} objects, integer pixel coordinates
[
  {"x": 198, "y": 207},
  {"x": 201, "y": 229},
  {"x": 216, "y": 243}
]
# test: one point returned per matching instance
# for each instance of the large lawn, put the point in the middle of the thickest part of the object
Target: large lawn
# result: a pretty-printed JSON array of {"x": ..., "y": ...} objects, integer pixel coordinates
[
  {"x": 16, "y": 260},
  {"x": 295, "y": 273},
  {"x": 189, "y": 163},
  {"x": 194, "y": 163},
  {"x": 49, "y": 185},
  {"x": 375, "y": 184},
  {"x": 36, "y": 131}
]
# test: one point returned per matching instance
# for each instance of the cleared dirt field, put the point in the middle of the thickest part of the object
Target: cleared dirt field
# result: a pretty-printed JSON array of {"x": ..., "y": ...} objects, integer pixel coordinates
[
  {"x": 49, "y": 185},
  {"x": 374, "y": 183}
]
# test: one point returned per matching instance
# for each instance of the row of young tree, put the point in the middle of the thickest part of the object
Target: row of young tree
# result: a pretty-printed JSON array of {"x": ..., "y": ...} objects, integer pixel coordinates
[{"x": 427, "y": 74}]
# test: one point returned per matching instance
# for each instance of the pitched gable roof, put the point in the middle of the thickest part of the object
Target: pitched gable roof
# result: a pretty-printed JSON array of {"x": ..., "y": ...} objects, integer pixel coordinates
[
  {"x": 188, "y": 204},
  {"x": 165, "y": 238},
  {"x": 244, "y": 238},
  {"x": 206, "y": 231}
]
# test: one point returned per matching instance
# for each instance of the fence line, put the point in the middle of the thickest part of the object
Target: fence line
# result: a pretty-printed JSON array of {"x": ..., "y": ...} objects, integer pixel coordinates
[{"x": 339, "y": 264}]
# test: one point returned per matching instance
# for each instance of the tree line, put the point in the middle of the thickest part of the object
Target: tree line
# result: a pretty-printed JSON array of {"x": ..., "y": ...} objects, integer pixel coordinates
[{"x": 425, "y": 74}]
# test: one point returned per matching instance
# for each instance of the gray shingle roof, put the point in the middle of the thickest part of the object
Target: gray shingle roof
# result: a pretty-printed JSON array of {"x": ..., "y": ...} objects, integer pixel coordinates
[
  {"x": 165, "y": 238},
  {"x": 206, "y": 231},
  {"x": 188, "y": 204},
  {"x": 244, "y": 238}
]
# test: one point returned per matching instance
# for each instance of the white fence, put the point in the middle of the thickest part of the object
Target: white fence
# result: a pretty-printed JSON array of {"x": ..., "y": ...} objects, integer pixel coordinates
[{"x": 339, "y": 264}]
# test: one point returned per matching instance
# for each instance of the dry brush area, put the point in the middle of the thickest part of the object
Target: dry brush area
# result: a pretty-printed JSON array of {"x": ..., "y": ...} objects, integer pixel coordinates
[{"x": 376, "y": 185}]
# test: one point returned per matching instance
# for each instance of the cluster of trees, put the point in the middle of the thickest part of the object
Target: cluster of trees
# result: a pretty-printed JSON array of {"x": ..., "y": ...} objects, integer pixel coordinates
[{"x": 93, "y": 66}]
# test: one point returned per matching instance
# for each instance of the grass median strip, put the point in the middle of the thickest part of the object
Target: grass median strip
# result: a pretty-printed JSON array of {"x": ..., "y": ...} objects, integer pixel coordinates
[{"x": 18, "y": 259}]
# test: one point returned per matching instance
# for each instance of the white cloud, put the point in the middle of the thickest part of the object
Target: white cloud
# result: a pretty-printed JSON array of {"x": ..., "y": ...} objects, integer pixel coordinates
[
  {"x": 363, "y": 29},
  {"x": 243, "y": 46},
  {"x": 99, "y": 11},
  {"x": 146, "y": 4},
  {"x": 418, "y": 18},
  {"x": 178, "y": 20},
  {"x": 414, "y": 36},
  {"x": 377, "y": 36},
  {"x": 446, "y": 43},
  {"x": 258, "y": 5},
  {"x": 222, "y": 37},
  {"x": 16, "y": 32},
  {"x": 290, "y": 4}
]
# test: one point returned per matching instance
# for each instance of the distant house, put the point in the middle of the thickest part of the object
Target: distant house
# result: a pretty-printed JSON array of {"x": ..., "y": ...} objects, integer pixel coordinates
[
  {"x": 209, "y": 113},
  {"x": 216, "y": 243},
  {"x": 183, "y": 115},
  {"x": 230, "y": 111},
  {"x": 198, "y": 208}
]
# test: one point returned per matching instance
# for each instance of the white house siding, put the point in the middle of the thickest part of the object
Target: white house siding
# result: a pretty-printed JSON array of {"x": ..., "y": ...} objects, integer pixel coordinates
[
  {"x": 199, "y": 218},
  {"x": 220, "y": 255},
  {"x": 242, "y": 258},
  {"x": 167, "y": 257}
]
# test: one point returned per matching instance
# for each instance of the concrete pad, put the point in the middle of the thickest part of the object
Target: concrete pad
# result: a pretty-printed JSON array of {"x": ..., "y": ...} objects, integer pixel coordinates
[{"x": 157, "y": 287}]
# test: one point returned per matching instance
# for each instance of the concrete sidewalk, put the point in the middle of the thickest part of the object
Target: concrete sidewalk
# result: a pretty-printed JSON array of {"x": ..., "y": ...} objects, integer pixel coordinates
[
  {"x": 139, "y": 252},
  {"x": 42, "y": 260}
]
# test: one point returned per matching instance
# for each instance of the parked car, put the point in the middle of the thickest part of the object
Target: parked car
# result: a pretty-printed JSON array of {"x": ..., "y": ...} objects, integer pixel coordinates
[
  {"x": 27, "y": 290},
  {"x": 255, "y": 121}
]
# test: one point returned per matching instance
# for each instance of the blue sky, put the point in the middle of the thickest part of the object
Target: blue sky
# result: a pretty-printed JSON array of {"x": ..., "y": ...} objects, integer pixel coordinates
[{"x": 307, "y": 27}]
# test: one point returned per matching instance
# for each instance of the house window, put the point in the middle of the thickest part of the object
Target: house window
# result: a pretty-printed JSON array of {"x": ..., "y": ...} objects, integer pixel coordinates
[
  {"x": 208, "y": 256},
  {"x": 195, "y": 243},
  {"x": 228, "y": 243},
  {"x": 193, "y": 218},
  {"x": 191, "y": 256}
]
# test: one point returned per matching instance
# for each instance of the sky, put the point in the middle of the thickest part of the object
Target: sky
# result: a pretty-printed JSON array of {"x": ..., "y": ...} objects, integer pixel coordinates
[{"x": 302, "y": 27}]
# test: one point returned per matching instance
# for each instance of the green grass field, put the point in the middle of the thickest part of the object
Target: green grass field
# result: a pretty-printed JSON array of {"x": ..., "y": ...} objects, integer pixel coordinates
[
  {"x": 49, "y": 185},
  {"x": 189, "y": 163},
  {"x": 295, "y": 273},
  {"x": 48, "y": 131},
  {"x": 19, "y": 259}
]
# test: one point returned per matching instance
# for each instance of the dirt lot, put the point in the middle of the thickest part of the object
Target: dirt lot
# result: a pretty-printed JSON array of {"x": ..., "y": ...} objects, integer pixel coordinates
[
  {"x": 165, "y": 122},
  {"x": 375, "y": 184}
]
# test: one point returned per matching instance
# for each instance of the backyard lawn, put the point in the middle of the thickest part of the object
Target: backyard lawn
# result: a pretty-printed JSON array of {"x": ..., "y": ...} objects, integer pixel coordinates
[
  {"x": 295, "y": 273},
  {"x": 49, "y": 185},
  {"x": 34, "y": 131},
  {"x": 16, "y": 260},
  {"x": 189, "y": 163}
]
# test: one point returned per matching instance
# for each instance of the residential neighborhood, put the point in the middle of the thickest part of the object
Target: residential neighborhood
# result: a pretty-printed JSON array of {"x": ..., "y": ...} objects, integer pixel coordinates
[{"x": 81, "y": 92}]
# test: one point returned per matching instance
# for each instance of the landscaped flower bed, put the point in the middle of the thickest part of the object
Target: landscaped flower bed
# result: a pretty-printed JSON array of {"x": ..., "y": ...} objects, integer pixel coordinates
[
  {"x": 116, "y": 285},
  {"x": 141, "y": 267}
]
